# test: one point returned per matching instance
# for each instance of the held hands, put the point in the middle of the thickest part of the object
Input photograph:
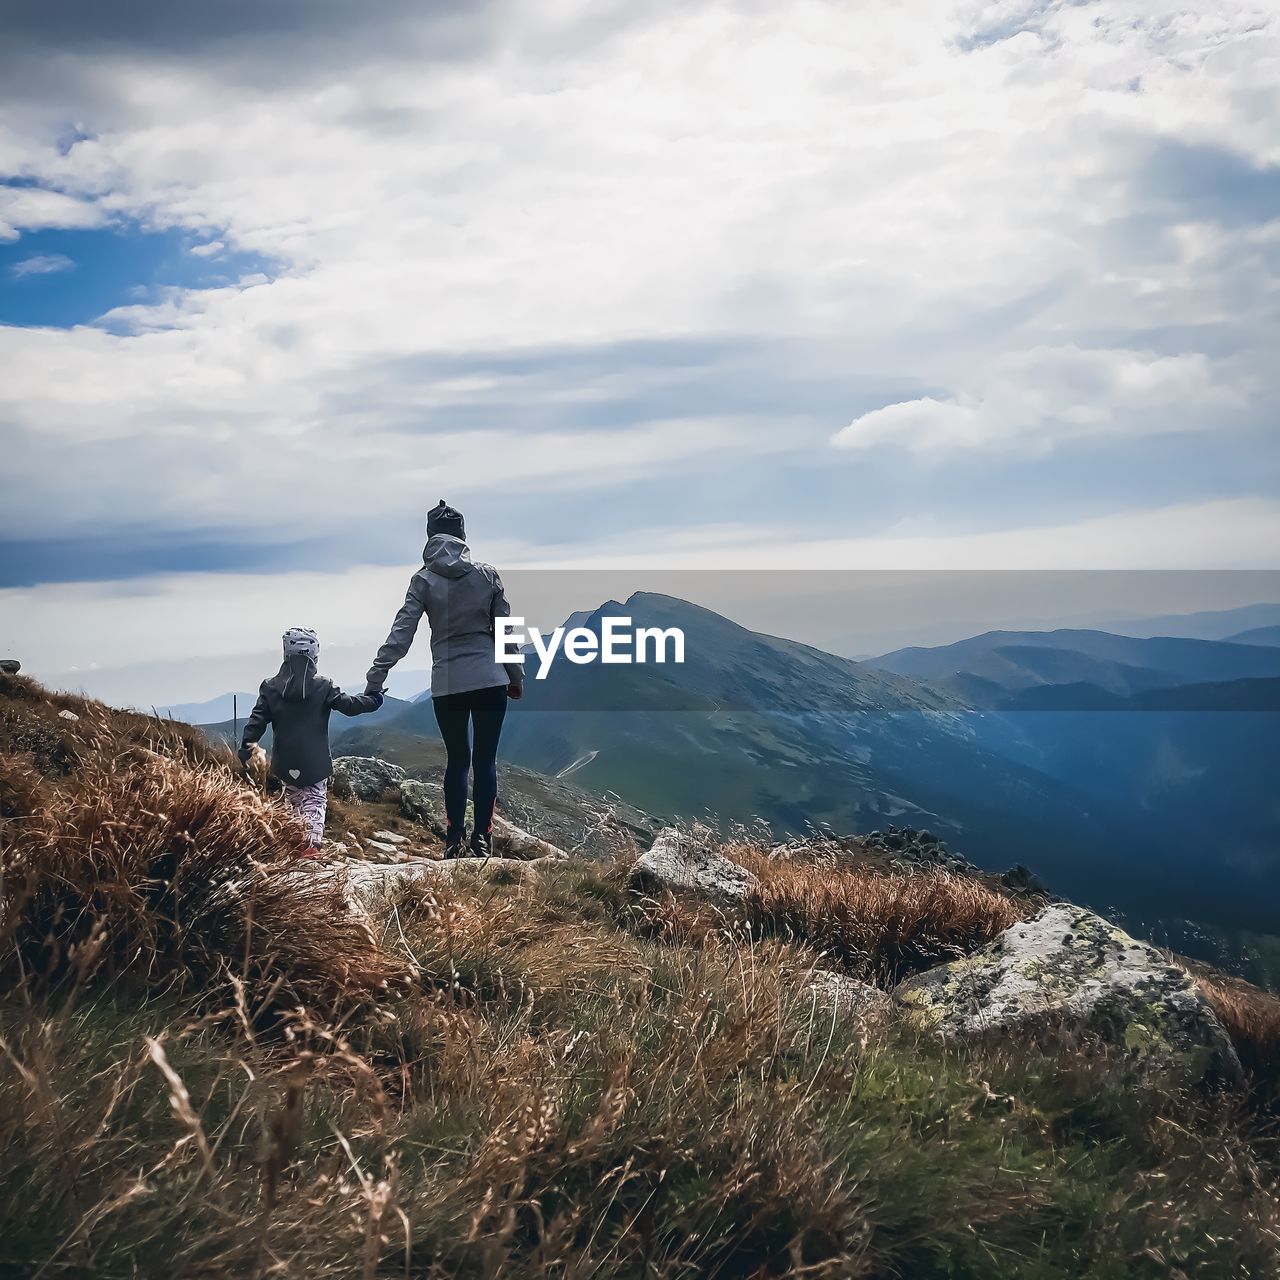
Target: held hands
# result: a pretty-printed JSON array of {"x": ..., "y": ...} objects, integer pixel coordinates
[{"x": 378, "y": 698}]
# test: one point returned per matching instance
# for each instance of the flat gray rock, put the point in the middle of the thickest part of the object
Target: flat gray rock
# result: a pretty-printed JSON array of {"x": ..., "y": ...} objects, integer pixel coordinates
[
  {"x": 365, "y": 885},
  {"x": 676, "y": 861},
  {"x": 1069, "y": 968}
]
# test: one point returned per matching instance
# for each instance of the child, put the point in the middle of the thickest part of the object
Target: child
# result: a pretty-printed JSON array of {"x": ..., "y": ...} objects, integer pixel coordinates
[{"x": 296, "y": 702}]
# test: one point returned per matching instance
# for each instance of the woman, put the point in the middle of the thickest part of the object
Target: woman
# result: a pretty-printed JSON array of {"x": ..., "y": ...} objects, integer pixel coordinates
[
  {"x": 296, "y": 703},
  {"x": 469, "y": 688}
]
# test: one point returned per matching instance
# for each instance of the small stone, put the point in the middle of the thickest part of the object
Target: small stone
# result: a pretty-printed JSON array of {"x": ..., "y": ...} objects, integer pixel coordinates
[
  {"x": 848, "y": 997},
  {"x": 68, "y": 715},
  {"x": 391, "y": 836},
  {"x": 676, "y": 861}
]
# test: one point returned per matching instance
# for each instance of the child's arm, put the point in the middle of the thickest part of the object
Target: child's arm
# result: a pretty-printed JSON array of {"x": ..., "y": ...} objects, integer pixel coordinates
[
  {"x": 256, "y": 725},
  {"x": 353, "y": 704}
]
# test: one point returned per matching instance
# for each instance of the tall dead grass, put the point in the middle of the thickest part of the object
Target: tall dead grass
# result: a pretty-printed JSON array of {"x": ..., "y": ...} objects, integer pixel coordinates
[
  {"x": 152, "y": 868},
  {"x": 874, "y": 924},
  {"x": 564, "y": 1093}
]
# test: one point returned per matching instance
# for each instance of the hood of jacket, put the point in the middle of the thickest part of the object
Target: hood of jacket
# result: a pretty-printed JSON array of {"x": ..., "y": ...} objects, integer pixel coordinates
[
  {"x": 293, "y": 680},
  {"x": 448, "y": 556}
]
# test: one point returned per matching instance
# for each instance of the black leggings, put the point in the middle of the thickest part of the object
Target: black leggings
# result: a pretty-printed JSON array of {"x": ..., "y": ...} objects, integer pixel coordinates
[{"x": 486, "y": 709}]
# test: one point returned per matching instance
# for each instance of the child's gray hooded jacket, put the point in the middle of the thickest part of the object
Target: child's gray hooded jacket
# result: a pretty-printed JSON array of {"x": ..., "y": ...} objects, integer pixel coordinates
[
  {"x": 296, "y": 703},
  {"x": 461, "y": 599}
]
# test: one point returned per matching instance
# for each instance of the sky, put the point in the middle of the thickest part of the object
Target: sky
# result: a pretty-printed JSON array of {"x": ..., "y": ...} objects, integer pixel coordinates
[{"x": 638, "y": 286}]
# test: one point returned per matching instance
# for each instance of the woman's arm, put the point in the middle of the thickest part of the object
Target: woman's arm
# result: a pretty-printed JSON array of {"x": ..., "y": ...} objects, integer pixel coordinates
[
  {"x": 502, "y": 609},
  {"x": 403, "y": 629}
]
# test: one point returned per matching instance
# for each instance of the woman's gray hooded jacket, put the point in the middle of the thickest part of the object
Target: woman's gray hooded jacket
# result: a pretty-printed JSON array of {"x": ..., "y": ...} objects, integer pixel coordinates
[
  {"x": 461, "y": 601},
  {"x": 296, "y": 703}
]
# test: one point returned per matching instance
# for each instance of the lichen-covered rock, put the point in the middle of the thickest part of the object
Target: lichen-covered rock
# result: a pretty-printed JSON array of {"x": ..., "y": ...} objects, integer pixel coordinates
[
  {"x": 366, "y": 776},
  {"x": 676, "y": 861},
  {"x": 847, "y": 997},
  {"x": 1068, "y": 968}
]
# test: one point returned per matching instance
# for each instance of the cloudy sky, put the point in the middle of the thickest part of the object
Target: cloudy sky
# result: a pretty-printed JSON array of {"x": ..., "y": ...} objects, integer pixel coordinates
[{"x": 685, "y": 284}]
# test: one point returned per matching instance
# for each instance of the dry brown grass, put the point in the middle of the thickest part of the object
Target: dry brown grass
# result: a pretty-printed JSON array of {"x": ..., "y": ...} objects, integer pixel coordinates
[
  {"x": 165, "y": 869},
  {"x": 1251, "y": 1016},
  {"x": 565, "y": 1094},
  {"x": 878, "y": 924}
]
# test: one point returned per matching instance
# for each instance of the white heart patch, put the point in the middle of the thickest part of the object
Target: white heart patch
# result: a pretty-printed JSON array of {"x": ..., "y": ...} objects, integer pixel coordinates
[{"x": 293, "y": 773}]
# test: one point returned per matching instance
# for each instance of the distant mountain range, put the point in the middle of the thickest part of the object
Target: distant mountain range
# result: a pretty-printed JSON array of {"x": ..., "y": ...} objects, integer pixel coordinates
[
  {"x": 1212, "y": 624},
  {"x": 1154, "y": 808},
  {"x": 1258, "y": 635},
  {"x": 1135, "y": 774},
  {"x": 211, "y": 710},
  {"x": 997, "y": 669}
]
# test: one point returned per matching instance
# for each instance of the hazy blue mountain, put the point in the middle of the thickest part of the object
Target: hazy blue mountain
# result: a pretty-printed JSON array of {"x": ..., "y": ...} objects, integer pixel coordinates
[
  {"x": 211, "y": 710},
  {"x": 985, "y": 669},
  {"x": 1258, "y": 635},
  {"x": 1212, "y": 624},
  {"x": 1219, "y": 695}
]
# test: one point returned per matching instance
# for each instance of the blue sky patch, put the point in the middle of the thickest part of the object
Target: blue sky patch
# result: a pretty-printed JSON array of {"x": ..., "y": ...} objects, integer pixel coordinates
[{"x": 61, "y": 278}]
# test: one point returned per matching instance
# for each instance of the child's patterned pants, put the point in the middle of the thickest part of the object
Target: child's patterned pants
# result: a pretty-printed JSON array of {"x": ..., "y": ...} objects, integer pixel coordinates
[{"x": 310, "y": 804}]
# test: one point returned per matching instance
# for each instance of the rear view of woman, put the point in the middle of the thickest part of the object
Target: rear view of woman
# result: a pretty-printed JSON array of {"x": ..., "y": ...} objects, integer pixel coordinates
[{"x": 469, "y": 689}]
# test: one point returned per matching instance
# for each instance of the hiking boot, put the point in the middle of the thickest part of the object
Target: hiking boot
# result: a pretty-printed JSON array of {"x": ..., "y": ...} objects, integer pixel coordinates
[
  {"x": 481, "y": 844},
  {"x": 455, "y": 842}
]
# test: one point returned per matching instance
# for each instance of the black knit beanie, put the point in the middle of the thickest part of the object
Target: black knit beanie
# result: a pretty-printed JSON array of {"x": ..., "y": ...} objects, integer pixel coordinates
[{"x": 442, "y": 518}]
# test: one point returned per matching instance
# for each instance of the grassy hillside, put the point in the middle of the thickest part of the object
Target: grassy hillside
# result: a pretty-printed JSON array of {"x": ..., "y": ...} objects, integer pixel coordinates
[{"x": 209, "y": 1068}]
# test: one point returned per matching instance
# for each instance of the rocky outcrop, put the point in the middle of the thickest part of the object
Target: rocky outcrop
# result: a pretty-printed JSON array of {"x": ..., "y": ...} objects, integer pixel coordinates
[
  {"x": 365, "y": 776},
  {"x": 1068, "y": 969},
  {"x": 914, "y": 848},
  {"x": 1023, "y": 881},
  {"x": 678, "y": 861},
  {"x": 10, "y": 666}
]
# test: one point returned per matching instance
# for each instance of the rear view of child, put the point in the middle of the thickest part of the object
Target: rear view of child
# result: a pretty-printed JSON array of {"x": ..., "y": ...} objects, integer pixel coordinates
[{"x": 296, "y": 703}]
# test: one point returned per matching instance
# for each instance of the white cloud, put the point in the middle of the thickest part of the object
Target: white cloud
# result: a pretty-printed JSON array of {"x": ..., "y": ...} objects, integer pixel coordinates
[
  {"x": 42, "y": 264},
  {"x": 38, "y": 209},
  {"x": 1036, "y": 399},
  {"x": 210, "y": 249},
  {"x": 895, "y": 185}
]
